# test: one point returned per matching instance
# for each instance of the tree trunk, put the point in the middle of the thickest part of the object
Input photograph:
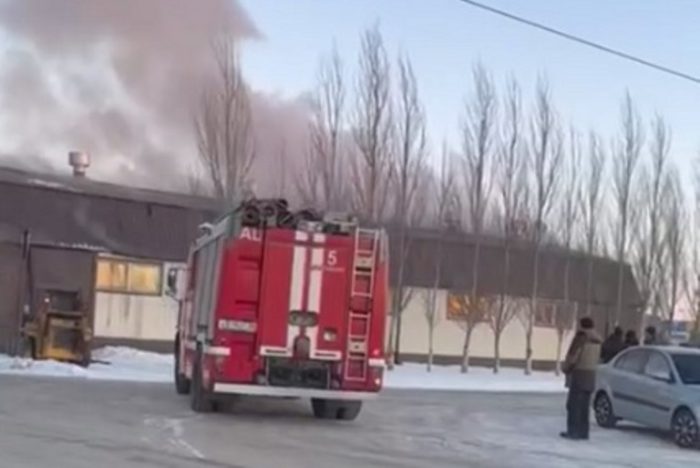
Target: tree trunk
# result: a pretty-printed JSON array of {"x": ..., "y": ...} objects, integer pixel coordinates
[
  {"x": 465, "y": 350},
  {"x": 589, "y": 284},
  {"x": 496, "y": 352},
  {"x": 397, "y": 344},
  {"x": 560, "y": 340},
  {"x": 431, "y": 335},
  {"x": 390, "y": 344},
  {"x": 620, "y": 289},
  {"x": 528, "y": 345}
]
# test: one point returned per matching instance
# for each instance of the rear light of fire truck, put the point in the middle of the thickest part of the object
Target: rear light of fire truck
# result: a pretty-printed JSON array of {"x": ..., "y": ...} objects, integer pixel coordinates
[{"x": 237, "y": 326}]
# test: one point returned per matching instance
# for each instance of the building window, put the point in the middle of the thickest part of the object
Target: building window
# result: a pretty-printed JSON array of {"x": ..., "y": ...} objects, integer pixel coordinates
[
  {"x": 129, "y": 277},
  {"x": 554, "y": 314},
  {"x": 461, "y": 308},
  {"x": 545, "y": 314}
]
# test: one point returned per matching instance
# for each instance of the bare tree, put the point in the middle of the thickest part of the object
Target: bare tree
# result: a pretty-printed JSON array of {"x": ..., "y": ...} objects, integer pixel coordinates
[
  {"x": 569, "y": 218},
  {"x": 674, "y": 238},
  {"x": 320, "y": 183},
  {"x": 478, "y": 135},
  {"x": 692, "y": 288},
  {"x": 373, "y": 129},
  {"x": 444, "y": 195},
  {"x": 512, "y": 196},
  {"x": 590, "y": 207},
  {"x": 546, "y": 155},
  {"x": 223, "y": 126},
  {"x": 408, "y": 167},
  {"x": 468, "y": 312},
  {"x": 648, "y": 235},
  {"x": 624, "y": 168}
]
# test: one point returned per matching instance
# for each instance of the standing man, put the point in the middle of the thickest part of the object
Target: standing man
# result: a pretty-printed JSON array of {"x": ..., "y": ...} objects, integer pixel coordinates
[
  {"x": 580, "y": 368},
  {"x": 650, "y": 336},
  {"x": 612, "y": 345}
]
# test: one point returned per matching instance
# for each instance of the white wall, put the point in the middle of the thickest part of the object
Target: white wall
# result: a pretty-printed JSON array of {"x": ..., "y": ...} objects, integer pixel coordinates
[
  {"x": 449, "y": 337},
  {"x": 137, "y": 317}
]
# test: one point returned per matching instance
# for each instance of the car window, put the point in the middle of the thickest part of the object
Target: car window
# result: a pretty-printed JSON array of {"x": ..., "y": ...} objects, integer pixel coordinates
[
  {"x": 631, "y": 361},
  {"x": 657, "y": 367},
  {"x": 688, "y": 367}
]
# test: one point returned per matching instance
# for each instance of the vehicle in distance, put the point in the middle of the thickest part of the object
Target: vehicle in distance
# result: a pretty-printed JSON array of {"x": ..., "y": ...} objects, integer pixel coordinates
[
  {"x": 656, "y": 386},
  {"x": 283, "y": 304}
]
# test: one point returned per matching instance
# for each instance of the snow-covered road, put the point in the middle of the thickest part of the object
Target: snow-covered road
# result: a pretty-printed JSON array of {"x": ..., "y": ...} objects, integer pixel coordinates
[{"x": 72, "y": 423}]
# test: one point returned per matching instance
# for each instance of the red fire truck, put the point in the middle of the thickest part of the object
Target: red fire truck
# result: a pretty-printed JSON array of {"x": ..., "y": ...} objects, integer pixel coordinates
[{"x": 283, "y": 304}]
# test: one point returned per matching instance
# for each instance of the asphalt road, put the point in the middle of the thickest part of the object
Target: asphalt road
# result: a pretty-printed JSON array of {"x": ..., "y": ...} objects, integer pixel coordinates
[{"x": 65, "y": 423}]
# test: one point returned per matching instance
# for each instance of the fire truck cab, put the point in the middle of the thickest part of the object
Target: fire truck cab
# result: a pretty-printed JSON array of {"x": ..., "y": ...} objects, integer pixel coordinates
[{"x": 283, "y": 304}]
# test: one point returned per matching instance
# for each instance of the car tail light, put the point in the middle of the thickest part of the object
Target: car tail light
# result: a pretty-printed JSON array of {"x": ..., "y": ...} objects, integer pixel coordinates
[
  {"x": 376, "y": 376},
  {"x": 237, "y": 326}
]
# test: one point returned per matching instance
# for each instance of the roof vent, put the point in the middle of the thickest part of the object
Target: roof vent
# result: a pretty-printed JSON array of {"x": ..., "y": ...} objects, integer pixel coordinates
[{"x": 79, "y": 161}]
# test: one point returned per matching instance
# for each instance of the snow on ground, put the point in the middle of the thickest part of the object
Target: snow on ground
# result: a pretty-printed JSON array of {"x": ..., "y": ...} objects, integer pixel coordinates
[
  {"x": 477, "y": 379},
  {"x": 128, "y": 364},
  {"x": 112, "y": 363}
]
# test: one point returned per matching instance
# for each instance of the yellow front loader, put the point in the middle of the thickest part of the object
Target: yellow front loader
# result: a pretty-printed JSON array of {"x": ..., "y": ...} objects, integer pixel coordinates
[{"x": 58, "y": 328}]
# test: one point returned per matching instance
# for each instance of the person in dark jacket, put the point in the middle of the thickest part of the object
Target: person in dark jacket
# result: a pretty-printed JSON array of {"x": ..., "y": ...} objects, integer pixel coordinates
[
  {"x": 579, "y": 366},
  {"x": 650, "y": 336},
  {"x": 612, "y": 345},
  {"x": 631, "y": 339}
]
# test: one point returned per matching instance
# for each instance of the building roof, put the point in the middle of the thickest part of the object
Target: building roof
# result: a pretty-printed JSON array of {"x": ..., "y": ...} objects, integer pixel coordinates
[
  {"x": 456, "y": 252},
  {"x": 83, "y": 213},
  {"x": 78, "y": 211}
]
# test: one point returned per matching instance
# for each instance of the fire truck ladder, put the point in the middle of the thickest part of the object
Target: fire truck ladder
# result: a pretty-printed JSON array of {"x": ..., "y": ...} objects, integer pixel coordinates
[{"x": 362, "y": 287}]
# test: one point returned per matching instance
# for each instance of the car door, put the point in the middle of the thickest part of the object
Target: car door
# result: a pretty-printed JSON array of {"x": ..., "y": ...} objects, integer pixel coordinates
[
  {"x": 656, "y": 393},
  {"x": 625, "y": 376}
]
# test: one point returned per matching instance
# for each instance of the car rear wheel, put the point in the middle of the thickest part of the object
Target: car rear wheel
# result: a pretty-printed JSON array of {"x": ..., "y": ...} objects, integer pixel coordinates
[
  {"x": 685, "y": 428},
  {"x": 334, "y": 409},
  {"x": 604, "y": 415}
]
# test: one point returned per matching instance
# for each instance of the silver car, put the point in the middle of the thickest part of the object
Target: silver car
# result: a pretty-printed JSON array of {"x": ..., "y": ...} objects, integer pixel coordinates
[{"x": 657, "y": 386}]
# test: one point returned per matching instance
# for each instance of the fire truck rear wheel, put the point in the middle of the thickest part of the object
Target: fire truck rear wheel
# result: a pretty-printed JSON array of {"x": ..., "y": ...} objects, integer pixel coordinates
[
  {"x": 336, "y": 409},
  {"x": 182, "y": 383},
  {"x": 200, "y": 400}
]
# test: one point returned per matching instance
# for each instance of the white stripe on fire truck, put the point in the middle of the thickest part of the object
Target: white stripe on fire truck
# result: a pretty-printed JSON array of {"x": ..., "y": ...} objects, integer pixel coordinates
[
  {"x": 301, "y": 236},
  {"x": 319, "y": 238},
  {"x": 314, "y": 295},
  {"x": 296, "y": 291}
]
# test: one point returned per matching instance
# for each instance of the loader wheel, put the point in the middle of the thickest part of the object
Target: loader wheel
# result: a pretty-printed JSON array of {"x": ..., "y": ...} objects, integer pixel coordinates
[
  {"x": 30, "y": 348},
  {"x": 200, "y": 400},
  {"x": 335, "y": 409},
  {"x": 182, "y": 383}
]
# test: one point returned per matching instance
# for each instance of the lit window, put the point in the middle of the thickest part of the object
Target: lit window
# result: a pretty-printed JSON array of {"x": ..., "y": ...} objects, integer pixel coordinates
[
  {"x": 144, "y": 278},
  {"x": 111, "y": 275},
  {"x": 128, "y": 277}
]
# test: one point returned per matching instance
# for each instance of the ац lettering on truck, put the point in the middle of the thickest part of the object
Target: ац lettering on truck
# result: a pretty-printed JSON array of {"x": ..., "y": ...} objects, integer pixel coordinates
[{"x": 283, "y": 304}]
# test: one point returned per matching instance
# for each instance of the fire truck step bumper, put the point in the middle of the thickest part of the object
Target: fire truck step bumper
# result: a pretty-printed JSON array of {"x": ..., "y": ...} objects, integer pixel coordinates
[{"x": 263, "y": 390}]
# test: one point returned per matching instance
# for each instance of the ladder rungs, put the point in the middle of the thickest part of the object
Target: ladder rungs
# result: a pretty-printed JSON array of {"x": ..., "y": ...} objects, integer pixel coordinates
[{"x": 363, "y": 272}]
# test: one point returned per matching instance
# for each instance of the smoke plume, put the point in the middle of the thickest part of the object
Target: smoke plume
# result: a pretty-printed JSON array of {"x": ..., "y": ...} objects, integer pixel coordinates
[{"x": 120, "y": 79}]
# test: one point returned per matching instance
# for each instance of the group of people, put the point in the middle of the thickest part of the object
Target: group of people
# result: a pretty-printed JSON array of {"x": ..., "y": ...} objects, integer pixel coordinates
[
  {"x": 616, "y": 342},
  {"x": 587, "y": 350}
]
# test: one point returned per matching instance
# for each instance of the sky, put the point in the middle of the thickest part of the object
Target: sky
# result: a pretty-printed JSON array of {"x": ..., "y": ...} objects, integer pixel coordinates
[{"x": 445, "y": 37}]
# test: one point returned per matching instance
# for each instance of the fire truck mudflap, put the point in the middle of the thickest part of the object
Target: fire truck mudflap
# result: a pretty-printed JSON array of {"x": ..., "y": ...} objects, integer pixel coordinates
[{"x": 283, "y": 304}]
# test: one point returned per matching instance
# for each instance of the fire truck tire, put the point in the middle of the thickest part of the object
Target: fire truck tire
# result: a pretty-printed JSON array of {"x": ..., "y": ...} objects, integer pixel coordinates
[
  {"x": 200, "y": 400},
  {"x": 182, "y": 383},
  {"x": 335, "y": 409}
]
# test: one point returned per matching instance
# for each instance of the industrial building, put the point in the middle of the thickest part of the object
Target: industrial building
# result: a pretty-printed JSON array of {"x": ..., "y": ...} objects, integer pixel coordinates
[{"x": 115, "y": 244}]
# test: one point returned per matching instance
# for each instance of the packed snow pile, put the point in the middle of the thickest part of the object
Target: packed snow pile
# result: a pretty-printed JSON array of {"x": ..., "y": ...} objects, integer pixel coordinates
[
  {"x": 111, "y": 363},
  {"x": 479, "y": 379},
  {"x": 128, "y": 364}
]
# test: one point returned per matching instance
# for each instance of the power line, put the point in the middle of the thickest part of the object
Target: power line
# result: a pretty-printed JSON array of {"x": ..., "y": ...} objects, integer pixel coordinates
[{"x": 586, "y": 42}]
